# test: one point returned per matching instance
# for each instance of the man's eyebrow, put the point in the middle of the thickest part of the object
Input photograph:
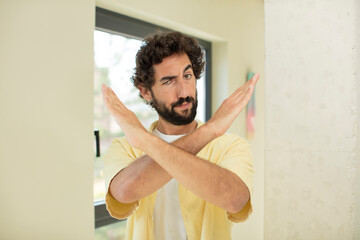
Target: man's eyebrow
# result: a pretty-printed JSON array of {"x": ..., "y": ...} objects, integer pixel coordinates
[
  {"x": 187, "y": 67},
  {"x": 167, "y": 78}
]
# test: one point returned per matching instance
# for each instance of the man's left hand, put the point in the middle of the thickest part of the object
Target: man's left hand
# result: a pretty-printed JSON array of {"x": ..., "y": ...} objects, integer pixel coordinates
[{"x": 126, "y": 119}]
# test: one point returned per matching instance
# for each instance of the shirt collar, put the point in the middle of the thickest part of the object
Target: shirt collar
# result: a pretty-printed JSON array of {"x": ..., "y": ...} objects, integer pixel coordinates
[{"x": 154, "y": 125}]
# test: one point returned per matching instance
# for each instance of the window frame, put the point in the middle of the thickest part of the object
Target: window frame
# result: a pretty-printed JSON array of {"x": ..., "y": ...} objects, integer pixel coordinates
[{"x": 115, "y": 23}]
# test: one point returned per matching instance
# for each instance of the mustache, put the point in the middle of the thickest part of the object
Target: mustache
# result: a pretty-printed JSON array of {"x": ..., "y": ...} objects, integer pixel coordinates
[{"x": 182, "y": 100}]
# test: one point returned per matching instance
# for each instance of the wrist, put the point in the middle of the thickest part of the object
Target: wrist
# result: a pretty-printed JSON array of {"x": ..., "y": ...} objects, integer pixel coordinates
[
  {"x": 210, "y": 129},
  {"x": 145, "y": 139}
]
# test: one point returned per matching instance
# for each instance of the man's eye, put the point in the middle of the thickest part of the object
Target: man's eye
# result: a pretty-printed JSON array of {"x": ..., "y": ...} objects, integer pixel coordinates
[
  {"x": 188, "y": 76},
  {"x": 166, "y": 82}
]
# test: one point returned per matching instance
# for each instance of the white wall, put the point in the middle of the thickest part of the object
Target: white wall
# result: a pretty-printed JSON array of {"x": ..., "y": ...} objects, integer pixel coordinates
[
  {"x": 312, "y": 114},
  {"x": 46, "y": 115},
  {"x": 236, "y": 29}
]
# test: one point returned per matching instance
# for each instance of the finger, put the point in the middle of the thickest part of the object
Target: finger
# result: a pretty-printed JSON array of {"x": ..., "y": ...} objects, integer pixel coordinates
[
  {"x": 255, "y": 78},
  {"x": 105, "y": 90},
  {"x": 240, "y": 90},
  {"x": 110, "y": 94},
  {"x": 248, "y": 96},
  {"x": 108, "y": 91},
  {"x": 244, "y": 97},
  {"x": 105, "y": 93},
  {"x": 107, "y": 98},
  {"x": 244, "y": 88},
  {"x": 251, "y": 83},
  {"x": 116, "y": 99}
]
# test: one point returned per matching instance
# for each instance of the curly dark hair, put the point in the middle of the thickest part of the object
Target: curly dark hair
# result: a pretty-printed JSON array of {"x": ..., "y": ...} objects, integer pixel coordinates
[{"x": 159, "y": 46}]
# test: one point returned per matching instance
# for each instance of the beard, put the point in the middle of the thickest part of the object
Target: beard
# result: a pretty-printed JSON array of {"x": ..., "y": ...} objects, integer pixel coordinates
[{"x": 170, "y": 115}]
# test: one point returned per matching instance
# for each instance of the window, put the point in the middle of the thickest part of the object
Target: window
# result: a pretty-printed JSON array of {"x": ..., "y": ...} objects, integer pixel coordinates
[{"x": 117, "y": 39}]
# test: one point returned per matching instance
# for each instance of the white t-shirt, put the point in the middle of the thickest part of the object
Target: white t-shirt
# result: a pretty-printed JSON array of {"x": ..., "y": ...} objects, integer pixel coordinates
[{"x": 168, "y": 220}]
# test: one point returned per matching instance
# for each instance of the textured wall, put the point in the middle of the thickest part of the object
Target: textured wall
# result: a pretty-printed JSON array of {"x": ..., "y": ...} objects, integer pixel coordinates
[
  {"x": 357, "y": 76},
  {"x": 46, "y": 119},
  {"x": 311, "y": 119}
]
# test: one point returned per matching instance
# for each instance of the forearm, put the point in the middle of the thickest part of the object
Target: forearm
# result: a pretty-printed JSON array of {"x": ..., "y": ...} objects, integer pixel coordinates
[
  {"x": 141, "y": 178},
  {"x": 207, "y": 180},
  {"x": 144, "y": 175}
]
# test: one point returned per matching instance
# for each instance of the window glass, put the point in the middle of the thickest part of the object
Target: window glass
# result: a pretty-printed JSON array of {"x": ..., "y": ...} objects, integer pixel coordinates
[
  {"x": 114, "y": 64},
  {"x": 115, "y": 231}
]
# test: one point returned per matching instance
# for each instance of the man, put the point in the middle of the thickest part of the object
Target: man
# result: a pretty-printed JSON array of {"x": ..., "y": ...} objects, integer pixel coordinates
[{"x": 183, "y": 179}]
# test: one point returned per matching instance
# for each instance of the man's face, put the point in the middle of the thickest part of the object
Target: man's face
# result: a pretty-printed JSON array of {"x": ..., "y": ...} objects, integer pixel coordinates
[
  {"x": 170, "y": 115},
  {"x": 173, "y": 95}
]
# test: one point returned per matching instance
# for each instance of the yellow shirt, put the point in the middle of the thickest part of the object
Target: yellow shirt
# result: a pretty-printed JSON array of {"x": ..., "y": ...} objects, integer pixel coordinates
[{"x": 203, "y": 220}]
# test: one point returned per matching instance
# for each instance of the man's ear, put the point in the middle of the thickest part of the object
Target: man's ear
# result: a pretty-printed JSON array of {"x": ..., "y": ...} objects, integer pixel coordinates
[{"x": 145, "y": 92}]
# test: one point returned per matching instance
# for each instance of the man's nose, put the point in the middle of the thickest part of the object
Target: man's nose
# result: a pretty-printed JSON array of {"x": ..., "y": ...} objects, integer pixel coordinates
[{"x": 183, "y": 89}]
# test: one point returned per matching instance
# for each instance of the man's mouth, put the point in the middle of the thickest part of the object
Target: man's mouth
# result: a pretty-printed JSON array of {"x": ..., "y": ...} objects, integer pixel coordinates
[
  {"x": 183, "y": 105},
  {"x": 183, "y": 102}
]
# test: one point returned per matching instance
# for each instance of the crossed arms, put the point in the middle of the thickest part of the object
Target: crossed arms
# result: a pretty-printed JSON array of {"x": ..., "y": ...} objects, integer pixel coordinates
[{"x": 178, "y": 160}]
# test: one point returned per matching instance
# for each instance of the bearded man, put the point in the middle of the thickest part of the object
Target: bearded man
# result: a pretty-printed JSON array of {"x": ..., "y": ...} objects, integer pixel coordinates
[{"x": 181, "y": 179}]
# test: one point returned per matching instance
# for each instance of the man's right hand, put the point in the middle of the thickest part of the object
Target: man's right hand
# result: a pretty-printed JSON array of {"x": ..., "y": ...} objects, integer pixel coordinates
[{"x": 231, "y": 107}]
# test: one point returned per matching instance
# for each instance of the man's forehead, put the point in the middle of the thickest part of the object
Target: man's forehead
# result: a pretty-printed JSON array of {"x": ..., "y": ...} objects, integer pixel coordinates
[{"x": 172, "y": 64}]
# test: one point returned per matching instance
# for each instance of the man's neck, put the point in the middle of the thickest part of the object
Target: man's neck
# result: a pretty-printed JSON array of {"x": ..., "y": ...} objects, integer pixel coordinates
[{"x": 171, "y": 129}]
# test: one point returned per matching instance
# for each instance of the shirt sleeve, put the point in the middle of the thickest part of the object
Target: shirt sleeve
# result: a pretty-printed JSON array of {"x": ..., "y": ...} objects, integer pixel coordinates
[
  {"x": 118, "y": 157},
  {"x": 238, "y": 159}
]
